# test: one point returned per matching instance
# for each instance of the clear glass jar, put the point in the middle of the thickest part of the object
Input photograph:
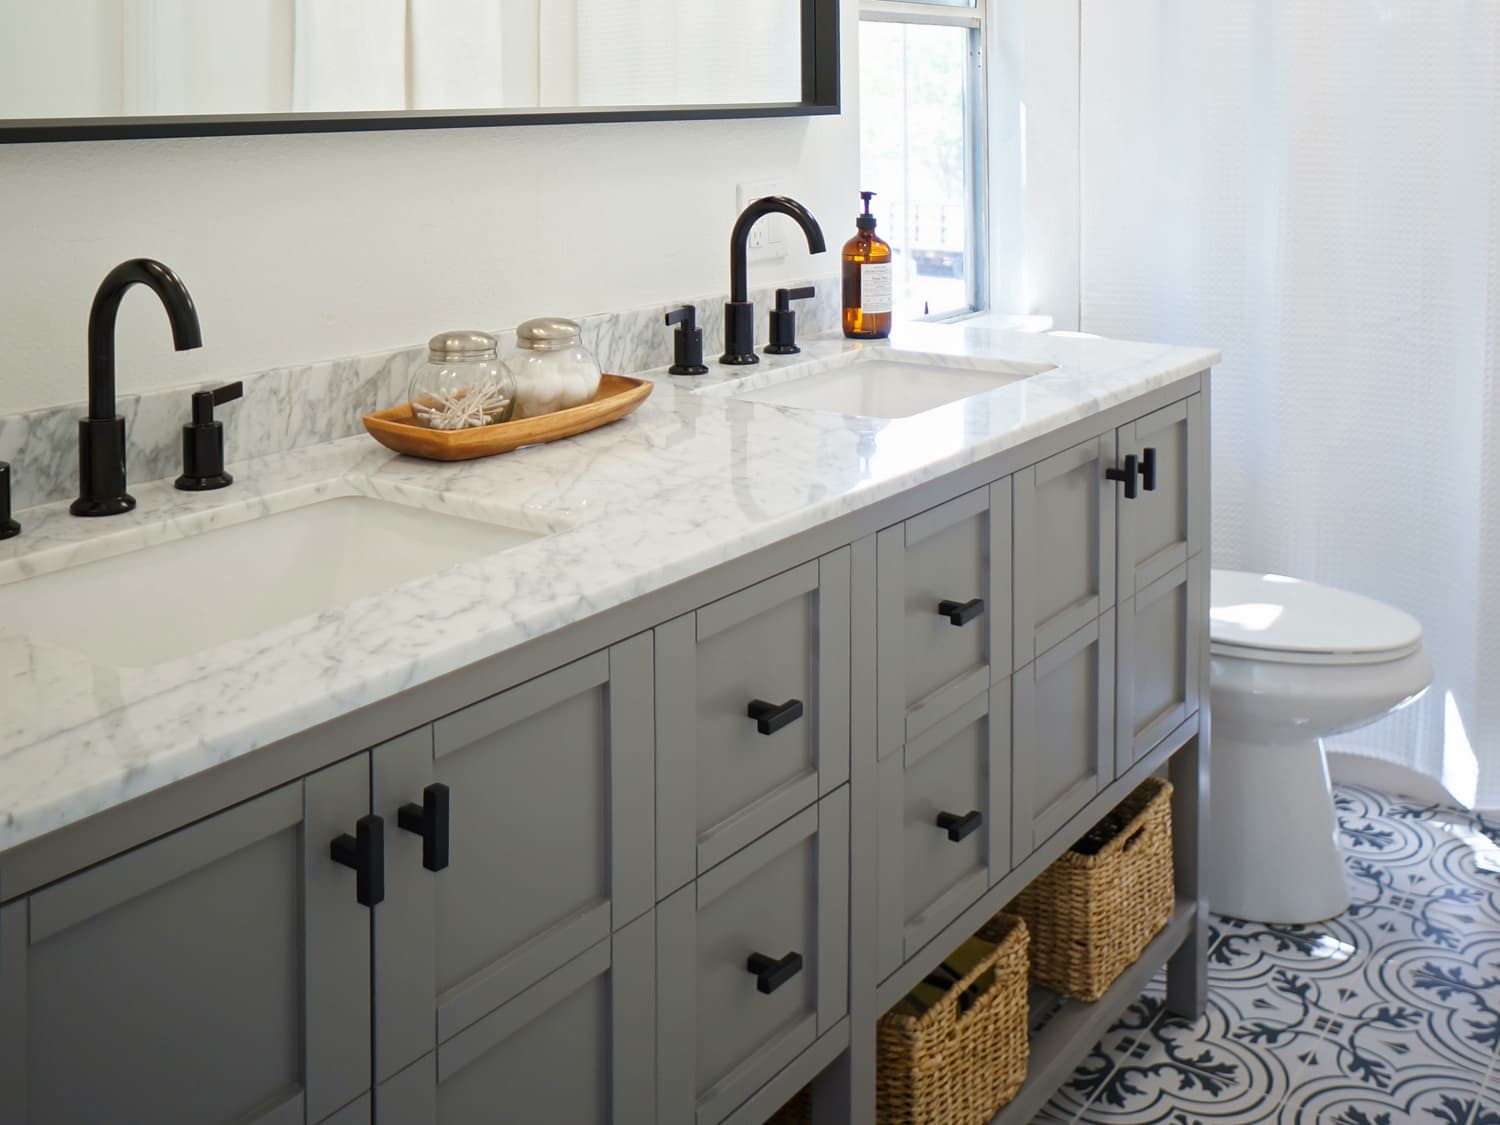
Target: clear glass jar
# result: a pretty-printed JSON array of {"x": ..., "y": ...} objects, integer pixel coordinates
[
  {"x": 553, "y": 370},
  {"x": 463, "y": 383}
]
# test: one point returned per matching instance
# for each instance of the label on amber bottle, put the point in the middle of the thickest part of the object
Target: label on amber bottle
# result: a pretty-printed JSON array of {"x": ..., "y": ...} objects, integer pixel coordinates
[{"x": 875, "y": 288}]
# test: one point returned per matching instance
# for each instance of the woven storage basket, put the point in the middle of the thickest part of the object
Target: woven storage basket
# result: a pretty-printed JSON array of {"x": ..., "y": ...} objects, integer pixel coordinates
[
  {"x": 1091, "y": 916},
  {"x": 798, "y": 1111},
  {"x": 952, "y": 1067}
]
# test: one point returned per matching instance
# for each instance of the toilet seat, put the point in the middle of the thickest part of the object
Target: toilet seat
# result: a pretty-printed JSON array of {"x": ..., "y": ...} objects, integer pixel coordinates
[{"x": 1279, "y": 620}]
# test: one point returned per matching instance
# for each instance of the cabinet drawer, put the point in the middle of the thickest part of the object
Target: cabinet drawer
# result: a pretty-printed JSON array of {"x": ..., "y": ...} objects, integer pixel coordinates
[
  {"x": 724, "y": 1027},
  {"x": 943, "y": 610},
  {"x": 1064, "y": 545},
  {"x": 1157, "y": 667},
  {"x": 1163, "y": 526},
  {"x": 1064, "y": 732},
  {"x": 952, "y": 781},
  {"x": 752, "y": 714}
]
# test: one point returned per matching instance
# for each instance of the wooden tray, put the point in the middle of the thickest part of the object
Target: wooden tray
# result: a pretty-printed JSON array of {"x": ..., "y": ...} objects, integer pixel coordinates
[{"x": 618, "y": 396}]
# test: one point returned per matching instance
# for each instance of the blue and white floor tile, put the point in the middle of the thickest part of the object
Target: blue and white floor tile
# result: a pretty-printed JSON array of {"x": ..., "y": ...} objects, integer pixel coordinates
[{"x": 1388, "y": 1015}]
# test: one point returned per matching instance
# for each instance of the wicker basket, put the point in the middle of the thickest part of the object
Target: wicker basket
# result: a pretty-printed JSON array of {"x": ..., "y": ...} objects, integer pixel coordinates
[
  {"x": 1091, "y": 916},
  {"x": 957, "y": 1067},
  {"x": 798, "y": 1111}
]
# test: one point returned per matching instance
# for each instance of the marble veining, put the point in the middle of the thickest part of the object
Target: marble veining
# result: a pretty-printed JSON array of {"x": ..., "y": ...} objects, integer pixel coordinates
[{"x": 687, "y": 482}]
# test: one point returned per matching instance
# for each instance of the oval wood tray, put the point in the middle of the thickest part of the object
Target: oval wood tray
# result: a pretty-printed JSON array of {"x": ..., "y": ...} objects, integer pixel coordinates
[{"x": 618, "y": 396}]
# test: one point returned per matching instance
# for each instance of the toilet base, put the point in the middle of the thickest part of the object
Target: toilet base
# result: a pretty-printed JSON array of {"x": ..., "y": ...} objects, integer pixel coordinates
[{"x": 1273, "y": 853}]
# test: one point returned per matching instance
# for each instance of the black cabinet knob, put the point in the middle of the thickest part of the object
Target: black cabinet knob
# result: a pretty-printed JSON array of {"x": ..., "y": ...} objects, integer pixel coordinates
[
  {"x": 1148, "y": 468},
  {"x": 771, "y": 717},
  {"x": 1129, "y": 476},
  {"x": 364, "y": 852},
  {"x": 771, "y": 975},
  {"x": 429, "y": 820},
  {"x": 961, "y": 613},
  {"x": 960, "y": 827}
]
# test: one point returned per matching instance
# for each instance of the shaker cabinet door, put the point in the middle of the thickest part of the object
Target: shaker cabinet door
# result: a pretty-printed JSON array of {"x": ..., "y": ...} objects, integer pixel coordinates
[
  {"x": 218, "y": 975},
  {"x": 1164, "y": 524},
  {"x": 1156, "y": 676}
]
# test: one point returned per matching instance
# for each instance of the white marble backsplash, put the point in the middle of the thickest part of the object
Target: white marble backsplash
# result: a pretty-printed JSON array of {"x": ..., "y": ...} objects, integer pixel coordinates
[{"x": 292, "y": 407}]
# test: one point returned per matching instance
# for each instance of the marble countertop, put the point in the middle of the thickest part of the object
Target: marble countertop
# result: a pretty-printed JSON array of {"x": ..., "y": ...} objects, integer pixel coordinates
[{"x": 689, "y": 481}]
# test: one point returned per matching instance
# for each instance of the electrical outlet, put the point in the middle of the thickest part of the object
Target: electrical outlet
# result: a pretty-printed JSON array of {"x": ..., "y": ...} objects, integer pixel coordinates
[{"x": 766, "y": 237}]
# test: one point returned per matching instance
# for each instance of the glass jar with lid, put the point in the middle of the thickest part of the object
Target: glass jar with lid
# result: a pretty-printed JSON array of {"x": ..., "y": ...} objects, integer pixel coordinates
[
  {"x": 462, "y": 384},
  {"x": 552, "y": 368}
]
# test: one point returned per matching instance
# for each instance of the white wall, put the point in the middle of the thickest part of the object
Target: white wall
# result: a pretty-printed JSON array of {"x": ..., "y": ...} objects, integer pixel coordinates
[{"x": 309, "y": 247}]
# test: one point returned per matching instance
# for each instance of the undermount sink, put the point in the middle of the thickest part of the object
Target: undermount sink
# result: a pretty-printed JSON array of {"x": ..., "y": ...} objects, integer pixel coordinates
[
  {"x": 889, "y": 385},
  {"x": 172, "y": 599}
]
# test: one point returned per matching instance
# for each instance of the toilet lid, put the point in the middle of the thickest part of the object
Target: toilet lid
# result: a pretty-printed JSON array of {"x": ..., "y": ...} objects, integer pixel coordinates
[{"x": 1290, "y": 620}]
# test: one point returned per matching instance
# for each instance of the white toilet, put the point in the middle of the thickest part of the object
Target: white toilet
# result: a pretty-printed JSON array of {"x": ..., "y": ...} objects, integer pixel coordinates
[{"x": 1291, "y": 663}]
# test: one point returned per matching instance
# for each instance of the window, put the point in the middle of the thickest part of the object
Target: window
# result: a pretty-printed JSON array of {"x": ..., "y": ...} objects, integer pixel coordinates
[{"x": 922, "y": 148}]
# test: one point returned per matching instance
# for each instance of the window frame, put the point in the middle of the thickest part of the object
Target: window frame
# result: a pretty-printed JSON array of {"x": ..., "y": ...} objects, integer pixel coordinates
[{"x": 969, "y": 14}]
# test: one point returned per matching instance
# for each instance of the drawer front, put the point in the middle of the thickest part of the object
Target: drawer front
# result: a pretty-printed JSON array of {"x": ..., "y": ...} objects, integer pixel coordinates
[
  {"x": 944, "y": 610},
  {"x": 1064, "y": 545},
  {"x": 1163, "y": 526},
  {"x": 1064, "y": 732},
  {"x": 726, "y": 775},
  {"x": 1156, "y": 675},
  {"x": 954, "y": 781},
  {"x": 550, "y": 792},
  {"x": 725, "y": 1026}
]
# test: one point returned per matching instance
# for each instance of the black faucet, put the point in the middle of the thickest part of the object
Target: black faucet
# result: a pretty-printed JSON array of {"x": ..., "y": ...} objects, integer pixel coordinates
[
  {"x": 739, "y": 313},
  {"x": 101, "y": 435}
]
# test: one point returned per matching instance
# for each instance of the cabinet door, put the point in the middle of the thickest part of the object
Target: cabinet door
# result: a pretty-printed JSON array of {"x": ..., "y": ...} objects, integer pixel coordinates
[
  {"x": 752, "y": 714},
  {"x": 1064, "y": 732},
  {"x": 943, "y": 580},
  {"x": 577, "y": 1046},
  {"x": 1163, "y": 526},
  {"x": 547, "y": 841},
  {"x": 944, "y": 835},
  {"x": 1156, "y": 672},
  {"x": 1064, "y": 545},
  {"x": 752, "y": 965},
  {"x": 220, "y": 974}
]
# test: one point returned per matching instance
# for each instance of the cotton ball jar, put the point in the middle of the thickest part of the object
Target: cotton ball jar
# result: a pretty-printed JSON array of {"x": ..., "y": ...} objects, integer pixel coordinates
[{"x": 552, "y": 369}]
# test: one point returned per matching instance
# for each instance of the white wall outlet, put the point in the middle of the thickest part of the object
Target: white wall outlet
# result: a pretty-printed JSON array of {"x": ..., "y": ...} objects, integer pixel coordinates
[{"x": 767, "y": 237}]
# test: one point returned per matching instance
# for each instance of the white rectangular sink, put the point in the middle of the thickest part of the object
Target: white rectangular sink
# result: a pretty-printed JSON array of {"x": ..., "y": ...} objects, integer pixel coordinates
[
  {"x": 173, "y": 599},
  {"x": 869, "y": 385}
]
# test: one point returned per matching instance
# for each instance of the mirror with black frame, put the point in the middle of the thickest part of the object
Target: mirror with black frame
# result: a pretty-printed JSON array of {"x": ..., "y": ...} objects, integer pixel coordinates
[{"x": 76, "y": 69}]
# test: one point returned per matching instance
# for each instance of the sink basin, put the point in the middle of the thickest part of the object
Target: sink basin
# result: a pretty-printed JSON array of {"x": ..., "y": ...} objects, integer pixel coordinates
[
  {"x": 871, "y": 385},
  {"x": 172, "y": 599}
]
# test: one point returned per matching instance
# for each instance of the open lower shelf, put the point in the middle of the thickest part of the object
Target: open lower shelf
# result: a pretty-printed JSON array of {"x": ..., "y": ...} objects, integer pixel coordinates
[{"x": 1063, "y": 1030}]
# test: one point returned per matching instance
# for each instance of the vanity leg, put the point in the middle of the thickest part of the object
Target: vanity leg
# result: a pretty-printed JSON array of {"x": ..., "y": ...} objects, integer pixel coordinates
[{"x": 1187, "y": 971}]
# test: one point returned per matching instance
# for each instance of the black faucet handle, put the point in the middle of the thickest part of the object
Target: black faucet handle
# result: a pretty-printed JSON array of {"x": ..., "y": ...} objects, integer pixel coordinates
[
  {"x": 784, "y": 321},
  {"x": 9, "y": 528},
  {"x": 205, "y": 401},
  {"x": 203, "y": 441},
  {"x": 687, "y": 342}
]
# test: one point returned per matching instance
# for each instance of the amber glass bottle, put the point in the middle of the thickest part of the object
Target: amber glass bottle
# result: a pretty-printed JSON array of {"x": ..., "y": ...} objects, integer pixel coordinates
[{"x": 867, "y": 280}]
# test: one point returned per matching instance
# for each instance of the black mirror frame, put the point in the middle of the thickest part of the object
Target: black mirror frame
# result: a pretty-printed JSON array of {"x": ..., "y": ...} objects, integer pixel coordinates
[{"x": 820, "y": 97}]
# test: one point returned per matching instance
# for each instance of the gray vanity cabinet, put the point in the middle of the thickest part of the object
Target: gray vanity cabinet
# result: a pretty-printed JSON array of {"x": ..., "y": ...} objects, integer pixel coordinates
[
  {"x": 219, "y": 975},
  {"x": 752, "y": 964},
  {"x": 547, "y": 849},
  {"x": 752, "y": 712}
]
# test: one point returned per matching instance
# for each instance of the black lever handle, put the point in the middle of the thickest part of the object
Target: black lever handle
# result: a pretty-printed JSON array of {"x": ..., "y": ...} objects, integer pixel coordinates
[
  {"x": 1129, "y": 475},
  {"x": 1148, "y": 468},
  {"x": 9, "y": 528},
  {"x": 771, "y": 717},
  {"x": 784, "y": 321},
  {"x": 687, "y": 342},
  {"x": 785, "y": 297},
  {"x": 429, "y": 820},
  {"x": 771, "y": 975},
  {"x": 364, "y": 852},
  {"x": 961, "y": 613},
  {"x": 959, "y": 827}
]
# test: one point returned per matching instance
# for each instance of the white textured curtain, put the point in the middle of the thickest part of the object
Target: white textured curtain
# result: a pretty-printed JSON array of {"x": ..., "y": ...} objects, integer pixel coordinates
[{"x": 1315, "y": 188}]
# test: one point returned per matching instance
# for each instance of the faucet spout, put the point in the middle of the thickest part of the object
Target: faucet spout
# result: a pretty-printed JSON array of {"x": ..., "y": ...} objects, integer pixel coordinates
[{"x": 739, "y": 313}]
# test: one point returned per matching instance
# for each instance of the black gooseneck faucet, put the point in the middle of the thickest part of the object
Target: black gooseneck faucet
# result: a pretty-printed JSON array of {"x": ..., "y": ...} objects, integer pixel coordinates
[
  {"x": 101, "y": 435},
  {"x": 739, "y": 312}
]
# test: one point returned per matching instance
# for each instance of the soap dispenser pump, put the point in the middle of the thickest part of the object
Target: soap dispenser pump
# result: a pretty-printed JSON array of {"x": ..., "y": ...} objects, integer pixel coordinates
[
  {"x": 868, "y": 280},
  {"x": 203, "y": 442}
]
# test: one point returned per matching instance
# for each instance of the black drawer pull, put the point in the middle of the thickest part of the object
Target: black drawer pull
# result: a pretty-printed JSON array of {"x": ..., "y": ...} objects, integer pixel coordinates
[
  {"x": 770, "y": 717},
  {"x": 771, "y": 975},
  {"x": 1148, "y": 468},
  {"x": 429, "y": 820},
  {"x": 1129, "y": 475},
  {"x": 364, "y": 852},
  {"x": 961, "y": 613},
  {"x": 960, "y": 827}
]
